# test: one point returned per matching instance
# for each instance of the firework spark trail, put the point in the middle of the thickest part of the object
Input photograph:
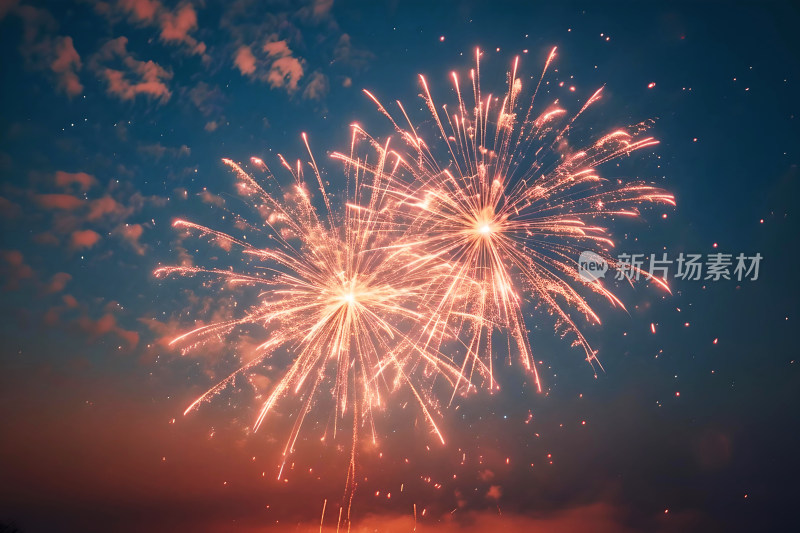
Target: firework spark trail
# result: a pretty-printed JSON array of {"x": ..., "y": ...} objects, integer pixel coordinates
[
  {"x": 508, "y": 214},
  {"x": 339, "y": 297}
]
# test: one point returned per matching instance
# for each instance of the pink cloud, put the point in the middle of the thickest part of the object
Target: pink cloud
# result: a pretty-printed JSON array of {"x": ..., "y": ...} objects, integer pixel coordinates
[
  {"x": 285, "y": 70},
  {"x": 165, "y": 331},
  {"x": 84, "y": 239},
  {"x": 105, "y": 206},
  {"x": 146, "y": 78},
  {"x": 129, "y": 336},
  {"x": 347, "y": 54},
  {"x": 82, "y": 179},
  {"x": 104, "y": 325},
  {"x": 321, "y": 8},
  {"x": 58, "y": 201},
  {"x": 141, "y": 10},
  {"x": 52, "y": 316},
  {"x": 58, "y": 282},
  {"x": 277, "y": 49},
  {"x": 45, "y": 51},
  {"x": 15, "y": 269},
  {"x": 9, "y": 209},
  {"x": 46, "y": 238},
  {"x": 65, "y": 65},
  {"x": 244, "y": 60},
  {"x": 213, "y": 199},
  {"x": 317, "y": 87},
  {"x": 175, "y": 27},
  {"x": 494, "y": 492},
  {"x": 158, "y": 150},
  {"x": 6, "y": 6},
  {"x": 70, "y": 301},
  {"x": 131, "y": 234},
  {"x": 151, "y": 84}
]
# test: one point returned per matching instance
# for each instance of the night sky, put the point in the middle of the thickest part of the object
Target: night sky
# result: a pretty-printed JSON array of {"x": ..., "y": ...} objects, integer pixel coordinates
[{"x": 115, "y": 118}]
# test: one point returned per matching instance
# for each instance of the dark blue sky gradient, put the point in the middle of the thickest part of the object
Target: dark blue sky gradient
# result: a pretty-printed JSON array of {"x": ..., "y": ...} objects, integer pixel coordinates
[{"x": 681, "y": 433}]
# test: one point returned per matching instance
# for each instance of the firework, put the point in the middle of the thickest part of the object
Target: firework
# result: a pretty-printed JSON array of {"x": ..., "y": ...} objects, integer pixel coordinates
[
  {"x": 508, "y": 213},
  {"x": 431, "y": 255},
  {"x": 334, "y": 292}
]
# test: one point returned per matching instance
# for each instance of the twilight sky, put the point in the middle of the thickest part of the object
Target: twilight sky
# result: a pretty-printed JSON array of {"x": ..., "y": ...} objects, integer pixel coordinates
[{"x": 115, "y": 117}]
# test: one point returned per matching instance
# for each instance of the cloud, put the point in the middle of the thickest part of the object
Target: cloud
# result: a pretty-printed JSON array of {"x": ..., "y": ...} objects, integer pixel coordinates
[
  {"x": 46, "y": 239},
  {"x": 277, "y": 49},
  {"x": 103, "y": 206},
  {"x": 211, "y": 125},
  {"x": 349, "y": 55},
  {"x": 58, "y": 201},
  {"x": 14, "y": 269},
  {"x": 69, "y": 301},
  {"x": 105, "y": 325},
  {"x": 9, "y": 209},
  {"x": 321, "y": 8},
  {"x": 209, "y": 101},
  {"x": 6, "y": 6},
  {"x": 82, "y": 179},
  {"x": 485, "y": 475},
  {"x": 278, "y": 66},
  {"x": 131, "y": 233},
  {"x": 212, "y": 199},
  {"x": 158, "y": 150},
  {"x": 58, "y": 282},
  {"x": 151, "y": 85},
  {"x": 494, "y": 492},
  {"x": 84, "y": 239},
  {"x": 244, "y": 60},
  {"x": 317, "y": 87},
  {"x": 141, "y": 10},
  {"x": 65, "y": 65},
  {"x": 285, "y": 70},
  {"x": 175, "y": 27},
  {"x": 52, "y": 316},
  {"x": 283, "y": 60},
  {"x": 146, "y": 78},
  {"x": 597, "y": 518},
  {"x": 44, "y": 51}
]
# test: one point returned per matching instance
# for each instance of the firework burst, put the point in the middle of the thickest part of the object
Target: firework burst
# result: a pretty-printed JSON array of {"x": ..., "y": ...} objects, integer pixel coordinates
[
  {"x": 509, "y": 212},
  {"x": 334, "y": 292}
]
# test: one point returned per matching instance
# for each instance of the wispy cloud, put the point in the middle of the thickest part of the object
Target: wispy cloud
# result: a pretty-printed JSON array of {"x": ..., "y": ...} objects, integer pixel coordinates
[
  {"x": 44, "y": 50},
  {"x": 14, "y": 269},
  {"x": 82, "y": 239},
  {"x": 146, "y": 78},
  {"x": 83, "y": 180},
  {"x": 176, "y": 26}
]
